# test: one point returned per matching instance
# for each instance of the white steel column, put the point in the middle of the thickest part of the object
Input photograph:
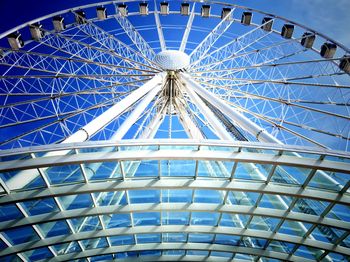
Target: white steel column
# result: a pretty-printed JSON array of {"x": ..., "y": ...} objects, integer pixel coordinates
[
  {"x": 190, "y": 127},
  {"x": 132, "y": 118},
  {"x": 187, "y": 30},
  {"x": 23, "y": 178},
  {"x": 159, "y": 27},
  {"x": 235, "y": 116},
  {"x": 219, "y": 129}
]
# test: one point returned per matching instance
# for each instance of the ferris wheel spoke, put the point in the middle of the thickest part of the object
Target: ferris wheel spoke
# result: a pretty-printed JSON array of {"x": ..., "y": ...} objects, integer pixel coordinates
[
  {"x": 52, "y": 96},
  {"x": 81, "y": 50},
  {"x": 242, "y": 82},
  {"x": 16, "y": 58},
  {"x": 81, "y": 91},
  {"x": 234, "y": 47},
  {"x": 110, "y": 42},
  {"x": 134, "y": 35},
  {"x": 280, "y": 101},
  {"x": 271, "y": 76},
  {"x": 159, "y": 28},
  {"x": 203, "y": 48},
  {"x": 307, "y": 127},
  {"x": 188, "y": 29},
  {"x": 271, "y": 51},
  {"x": 268, "y": 65},
  {"x": 101, "y": 77},
  {"x": 265, "y": 119},
  {"x": 57, "y": 121}
]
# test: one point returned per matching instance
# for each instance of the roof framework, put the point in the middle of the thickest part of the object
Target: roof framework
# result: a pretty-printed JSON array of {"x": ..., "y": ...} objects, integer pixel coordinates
[{"x": 92, "y": 167}]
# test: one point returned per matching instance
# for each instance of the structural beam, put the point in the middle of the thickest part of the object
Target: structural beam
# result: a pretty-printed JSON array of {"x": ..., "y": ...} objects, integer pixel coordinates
[
  {"x": 175, "y": 207},
  {"x": 183, "y": 183},
  {"x": 180, "y": 246},
  {"x": 187, "y": 30},
  {"x": 175, "y": 229},
  {"x": 22, "y": 179},
  {"x": 235, "y": 116},
  {"x": 214, "y": 122}
]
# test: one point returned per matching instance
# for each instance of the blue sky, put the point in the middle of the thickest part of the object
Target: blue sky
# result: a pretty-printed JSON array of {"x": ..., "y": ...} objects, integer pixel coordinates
[{"x": 328, "y": 16}]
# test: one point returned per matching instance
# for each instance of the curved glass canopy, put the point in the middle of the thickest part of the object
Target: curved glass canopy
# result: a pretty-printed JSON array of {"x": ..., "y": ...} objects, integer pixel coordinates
[{"x": 163, "y": 131}]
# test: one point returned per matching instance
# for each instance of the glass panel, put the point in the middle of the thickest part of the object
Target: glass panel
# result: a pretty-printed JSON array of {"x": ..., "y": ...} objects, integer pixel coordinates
[
  {"x": 176, "y": 196},
  {"x": 262, "y": 223},
  {"x": 36, "y": 183},
  {"x": 309, "y": 206},
  {"x": 144, "y": 196},
  {"x": 150, "y": 253},
  {"x": 227, "y": 239},
  {"x": 174, "y": 237},
  {"x": 41, "y": 206},
  {"x": 9, "y": 212},
  {"x": 308, "y": 252},
  {"x": 340, "y": 212},
  {"x": 175, "y": 218},
  {"x": 122, "y": 240},
  {"x": 111, "y": 198},
  {"x": 76, "y": 201},
  {"x": 249, "y": 171},
  {"x": 290, "y": 175},
  {"x": 64, "y": 174},
  {"x": 94, "y": 243},
  {"x": 21, "y": 235},
  {"x": 220, "y": 254},
  {"x": 293, "y": 228},
  {"x": 208, "y": 196},
  {"x": 279, "y": 246},
  {"x": 272, "y": 201},
  {"x": 117, "y": 220},
  {"x": 214, "y": 169},
  {"x": 102, "y": 258},
  {"x": 242, "y": 198},
  {"x": 38, "y": 254},
  {"x": 323, "y": 180},
  {"x": 148, "y": 238},
  {"x": 147, "y": 169},
  {"x": 197, "y": 253},
  {"x": 104, "y": 170},
  {"x": 176, "y": 168},
  {"x": 86, "y": 224},
  {"x": 67, "y": 248},
  {"x": 200, "y": 238},
  {"x": 52, "y": 229},
  {"x": 230, "y": 220},
  {"x": 146, "y": 219},
  {"x": 205, "y": 219}
]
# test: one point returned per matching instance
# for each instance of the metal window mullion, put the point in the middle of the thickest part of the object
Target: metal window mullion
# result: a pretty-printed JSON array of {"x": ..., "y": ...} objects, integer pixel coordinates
[
  {"x": 86, "y": 180},
  {"x": 340, "y": 239}
]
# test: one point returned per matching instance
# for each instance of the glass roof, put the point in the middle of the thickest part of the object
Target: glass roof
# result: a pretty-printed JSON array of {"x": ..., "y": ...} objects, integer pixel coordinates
[{"x": 106, "y": 155}]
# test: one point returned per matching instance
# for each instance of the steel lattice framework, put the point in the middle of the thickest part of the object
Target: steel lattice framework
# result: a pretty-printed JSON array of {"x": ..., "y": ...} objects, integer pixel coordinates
[{"x": 157, "y": 131}]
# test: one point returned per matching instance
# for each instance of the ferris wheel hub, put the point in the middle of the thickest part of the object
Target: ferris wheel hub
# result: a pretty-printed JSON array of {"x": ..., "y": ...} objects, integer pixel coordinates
[{"x": 172, "y": 60}]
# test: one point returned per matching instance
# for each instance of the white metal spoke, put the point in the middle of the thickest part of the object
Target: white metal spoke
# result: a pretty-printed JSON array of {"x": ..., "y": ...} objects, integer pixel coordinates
[
  {"x": 134, "y": 35},
  {"x": 188, "y": 29},
  {"x": 159, "y": 28},
  {"x": 203, "y": 48}
]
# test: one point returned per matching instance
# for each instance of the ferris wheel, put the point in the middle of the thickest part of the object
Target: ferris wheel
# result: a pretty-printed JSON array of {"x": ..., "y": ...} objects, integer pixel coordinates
[{"x": 193, "y": 118}]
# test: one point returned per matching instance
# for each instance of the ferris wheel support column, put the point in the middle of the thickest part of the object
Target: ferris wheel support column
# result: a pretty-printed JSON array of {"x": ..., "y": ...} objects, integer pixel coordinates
[
  {"x": 235, "y": 116},
  {"x": 215, "y": 123},
  {"x": 140, "y": 108},
  {"x": 245, "y": 123},
  {"x": 23, "y": 178}
]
